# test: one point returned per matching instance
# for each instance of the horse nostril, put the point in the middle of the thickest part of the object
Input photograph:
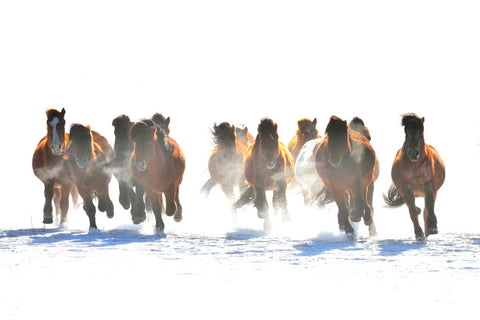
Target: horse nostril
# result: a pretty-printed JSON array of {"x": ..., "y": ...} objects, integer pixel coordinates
[{"x": 141, "y": 165}]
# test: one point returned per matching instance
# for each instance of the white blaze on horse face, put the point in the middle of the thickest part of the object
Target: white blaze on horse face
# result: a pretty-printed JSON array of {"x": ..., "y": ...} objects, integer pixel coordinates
[{"x": 56, "y": 144}]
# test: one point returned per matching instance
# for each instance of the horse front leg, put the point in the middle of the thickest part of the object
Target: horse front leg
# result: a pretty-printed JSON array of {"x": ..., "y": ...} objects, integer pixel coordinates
[
  {"x": 88, "y": 206},
  {"x": 368, "y": 218},
  {"x": 138, "y": 205},
  {"x": 340, "y": 198},
  {"x": 429, "y": 211},
  {"x": 261, "y": 201},
  {"x": 178, "y": 216},
  {"x": 47, "y": 207},
  {"x": 155, "y": 200},
  {"x": 414, "y": 211},
  {"x": 104, "y": 201},
  {"x": 124, "y": 194},
  {"x": 171, "y": 205},
  {"x": 280, "y": 201}
]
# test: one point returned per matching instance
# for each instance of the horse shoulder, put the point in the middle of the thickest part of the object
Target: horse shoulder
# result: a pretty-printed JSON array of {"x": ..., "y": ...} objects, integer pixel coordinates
[{"x": 292, "y": 144}]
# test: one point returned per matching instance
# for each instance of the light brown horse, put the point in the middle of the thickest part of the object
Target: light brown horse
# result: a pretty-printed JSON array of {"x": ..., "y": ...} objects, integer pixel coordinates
[
  {"x": 345, "y": 161},
  {"x": 417, "y": 171},
  {"x": 158, "y": 165},
  {"x": 268, "y": 166},
  {"x": 306, "y": 131},
  {"x": 89, "y": 158},
  {"x": 47, "y": 164},
  {"x": 225, "y": 163}
]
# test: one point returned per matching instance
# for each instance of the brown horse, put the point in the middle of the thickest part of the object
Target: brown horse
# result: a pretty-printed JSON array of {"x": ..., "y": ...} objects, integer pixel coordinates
[
  {"x": 130, "y": 192},
  {"x": 306, "y": 131},
  {"x": 345, "y": 161},
  {"x": 47, "y": 164},
  {"x": 89, "y": 158},
  {"x": 268, "y": 166},
  {"x": 158, "y": 164},
  {"x": 225, "y": 163},
  {"x": 417, "y": 171}
]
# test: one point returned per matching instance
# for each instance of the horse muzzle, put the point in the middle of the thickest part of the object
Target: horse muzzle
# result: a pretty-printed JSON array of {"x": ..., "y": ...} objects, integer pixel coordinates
[
  {"x": 270, "y": 163},
  {"x": 57, "y": 149},
  {"x": 335, "y": 161},
  {"x": 140, "y": 165},
  {"x": 81, "y": 162},
  {"x": 413, "y": 155}
]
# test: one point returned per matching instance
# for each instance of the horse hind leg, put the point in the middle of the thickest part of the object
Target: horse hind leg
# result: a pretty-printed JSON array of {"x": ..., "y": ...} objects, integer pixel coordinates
[
  {"x": 368, "y": 218},
  {"x": 64, "y": 203},
  {"x": 280, "y": 203}
]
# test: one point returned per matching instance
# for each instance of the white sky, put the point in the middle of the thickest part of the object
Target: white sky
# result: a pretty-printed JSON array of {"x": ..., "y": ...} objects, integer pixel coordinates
[{"x": 206, "y": 61}]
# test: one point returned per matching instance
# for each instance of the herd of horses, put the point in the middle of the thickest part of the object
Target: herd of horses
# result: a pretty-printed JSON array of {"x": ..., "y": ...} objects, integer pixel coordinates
[{"x": 340, "y": 167}]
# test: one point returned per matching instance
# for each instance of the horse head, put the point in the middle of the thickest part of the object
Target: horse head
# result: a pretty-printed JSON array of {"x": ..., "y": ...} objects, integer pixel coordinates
[
  {"x": 162, "y": 122},
  {"x": 56, "y": 131},
  {"x": 358, "y": 125},
  {"x": 338, "y": 140},
  {"x": 267, "y": 141},
  {"x": 414, "y": 145},
  {"x": 143, "y": 137},
  {"x": 80, "y": 147},
  {"x": 123, "y": 145},
  {"x": 307, "y": 129},
  {"x": 224, "y": 135}
]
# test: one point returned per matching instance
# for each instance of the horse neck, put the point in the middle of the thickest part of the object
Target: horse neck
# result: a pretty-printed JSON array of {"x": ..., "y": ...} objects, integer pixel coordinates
[{"x": 123, "y": 149}]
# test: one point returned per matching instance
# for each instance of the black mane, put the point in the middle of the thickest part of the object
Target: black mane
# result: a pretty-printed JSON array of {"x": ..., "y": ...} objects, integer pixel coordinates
[{"x": 411, "y": 119}]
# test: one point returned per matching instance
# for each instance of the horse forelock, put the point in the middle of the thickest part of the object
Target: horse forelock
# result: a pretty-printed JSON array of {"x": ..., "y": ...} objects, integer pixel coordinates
[
  {"x": 412, "y": 120},
  {"x": 223, "y": 133},
  {"x": 266, "y": 125},
  {"x": 122, "y": 121},
  {"x": 142, "y": 130},
  {"x": 80, "y": 133},
  {"x": 52, "y": 113}
]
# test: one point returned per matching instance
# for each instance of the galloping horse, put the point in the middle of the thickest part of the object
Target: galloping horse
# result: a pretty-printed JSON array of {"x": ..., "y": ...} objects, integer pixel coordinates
[
  {"x": 357, "y": 124},
  {"x": 268, "y": 166},
  {"x": 89, "y": 156},
  {"x": 225, "y": 163},
  {"x": 307, "y": 130},
  {"x": 158, "y": 164},
  {"x": 417, "y": 171},
  {"x": 48, "y": 166},
  {"x": 131, "y": 193},
  {"x": 346, "y": 163}
]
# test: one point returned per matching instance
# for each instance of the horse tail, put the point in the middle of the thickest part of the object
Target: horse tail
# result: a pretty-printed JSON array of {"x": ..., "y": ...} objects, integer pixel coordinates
[
  {"x": 323, "y": 198},
  {"x": 393, "y": 199},
  {"x": 247, "y": 196},
  {"x": 207, "y": 187}
]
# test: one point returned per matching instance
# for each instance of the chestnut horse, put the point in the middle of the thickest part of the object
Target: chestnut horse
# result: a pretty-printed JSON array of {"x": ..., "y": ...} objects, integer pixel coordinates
[
  {"x": 48, "y": 166},
  {"x": 268, "y": 166},
  {"x": 158, "y": 164},
  {"x": 417, "y": 171},
  {"x": 346, "y": 164},
  {"x": 307, "y": 130},
  {"x": 225, "y": 163},
  {"x": 130, "y": 192},
  {"x": 89, "y": 156}
]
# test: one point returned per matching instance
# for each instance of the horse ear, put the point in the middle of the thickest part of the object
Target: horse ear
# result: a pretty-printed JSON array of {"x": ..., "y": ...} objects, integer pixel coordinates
[
  {"x": 167, "y": 121},
  {"x": 315, "y": 121},
  {"x": 62, "y": 113},
  {"x": 275, "y": 126},
  {"x": 423, "y": 120}
]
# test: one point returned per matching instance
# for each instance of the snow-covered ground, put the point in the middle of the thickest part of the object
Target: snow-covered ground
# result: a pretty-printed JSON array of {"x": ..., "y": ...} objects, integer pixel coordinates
[{"x": 201, "y": 62}]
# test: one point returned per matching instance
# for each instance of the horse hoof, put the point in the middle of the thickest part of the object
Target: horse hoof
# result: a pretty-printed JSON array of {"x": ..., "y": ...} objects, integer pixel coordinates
[
  {"x": 160, "y": 230},
  {"x": 420, "y": 237},
  {"x": 177, "y": 217},
  {"x": 372, "y": 231},
  {"x": 48, "y": 220},
  {"x": 138, "y": 220},
  {"x": 355, "y": 218},
  {"x": 432, "y": 231}
]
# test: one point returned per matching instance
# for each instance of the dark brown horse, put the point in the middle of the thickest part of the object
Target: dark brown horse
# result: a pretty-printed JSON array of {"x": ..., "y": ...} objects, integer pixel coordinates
[
  {"x": 306, "y": 131},
  {"x": 225, "y": 163},
  {"x": 345, "y": 161},
  {"x": 158, "y": 165},
  {"x": 48, "y": 166},
  {"x": 417, "y": 171},
  {"x": 89, "y": 158},
  {"x": 268, "y": 166},
  {"x": 130, "y": 192}
]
